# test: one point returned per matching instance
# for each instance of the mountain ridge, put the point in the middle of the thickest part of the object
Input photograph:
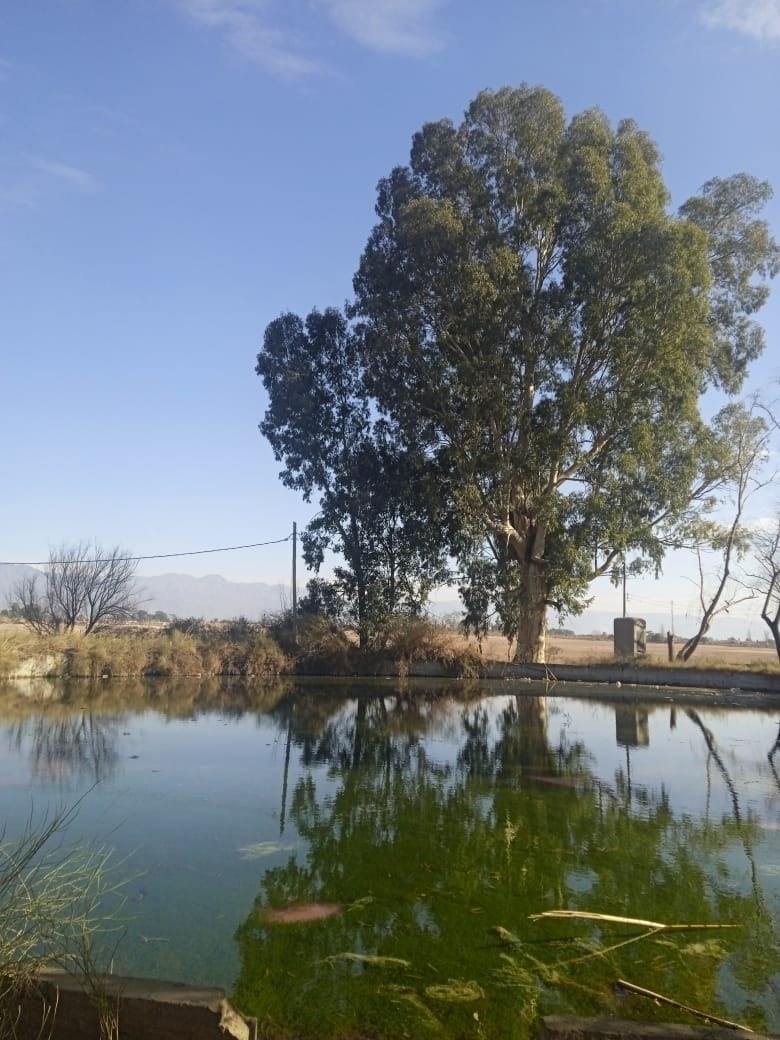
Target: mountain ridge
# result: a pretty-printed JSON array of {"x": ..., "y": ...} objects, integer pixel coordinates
[
  {"x": 182, "y": 595},
  {"x": 213, "y": 596}
]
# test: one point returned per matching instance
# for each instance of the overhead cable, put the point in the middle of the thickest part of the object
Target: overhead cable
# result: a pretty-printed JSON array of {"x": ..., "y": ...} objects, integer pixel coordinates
[{"x": 154, "y": 556}]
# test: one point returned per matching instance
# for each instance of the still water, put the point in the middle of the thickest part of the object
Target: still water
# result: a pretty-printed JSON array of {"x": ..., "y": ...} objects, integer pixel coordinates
[{"x": 438, "y": 819}]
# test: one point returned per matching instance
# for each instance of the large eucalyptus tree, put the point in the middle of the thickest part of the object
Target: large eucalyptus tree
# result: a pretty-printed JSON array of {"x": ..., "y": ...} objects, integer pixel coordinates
[{"x": 535, "y": 318}]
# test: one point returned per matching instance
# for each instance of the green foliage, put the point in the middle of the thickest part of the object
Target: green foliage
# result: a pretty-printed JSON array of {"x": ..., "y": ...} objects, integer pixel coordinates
[
  {"x": 317, "y": 642},
  {"x": 534, "y": 319},
  {"x": 741, "y": 250},
  {"x": 376, "y": 500},
  {"x": 740, "y": 438}
]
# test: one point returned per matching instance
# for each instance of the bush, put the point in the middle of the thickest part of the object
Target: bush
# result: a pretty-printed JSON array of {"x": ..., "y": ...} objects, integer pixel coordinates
[
  {"x": 173, "y": 653},
  {"x": 411, "y": 639},
  {"x": 321, "y": 647},
  {"x": 190, "y": 626},
  {"x": 102, "y": 656},
  {"x": 265, "y": 658}
]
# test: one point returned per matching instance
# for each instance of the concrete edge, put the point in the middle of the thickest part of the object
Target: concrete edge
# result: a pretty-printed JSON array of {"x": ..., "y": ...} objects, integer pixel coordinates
[
  {"x": 638, "y": 675},
  {"x": 568, "y": 1027},
  {"x": 146, "y": 1009}
]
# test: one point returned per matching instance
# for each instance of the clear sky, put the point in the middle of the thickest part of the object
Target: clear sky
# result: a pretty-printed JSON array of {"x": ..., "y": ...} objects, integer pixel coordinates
[{"x": 174, "y": 174}]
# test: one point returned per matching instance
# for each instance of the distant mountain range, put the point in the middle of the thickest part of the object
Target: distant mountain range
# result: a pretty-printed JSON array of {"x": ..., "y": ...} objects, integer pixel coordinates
[
  {"x": 216, "y": 597},
  {"x": 182, "y": 595},
  {"x": 212, "y": 596}
]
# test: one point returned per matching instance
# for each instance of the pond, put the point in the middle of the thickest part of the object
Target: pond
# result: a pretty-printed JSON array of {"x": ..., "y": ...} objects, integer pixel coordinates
[{"x": 431, "y": 824}]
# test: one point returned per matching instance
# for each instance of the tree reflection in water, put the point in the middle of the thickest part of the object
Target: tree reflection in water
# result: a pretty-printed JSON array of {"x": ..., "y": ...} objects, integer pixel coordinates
[
  {"x": 70, "y": 745},
  {"x": 440, "y": 861}
]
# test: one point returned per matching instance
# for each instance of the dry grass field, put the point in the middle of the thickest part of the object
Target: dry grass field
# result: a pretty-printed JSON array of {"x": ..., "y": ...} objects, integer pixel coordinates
[{"x": 591, "y": 649}]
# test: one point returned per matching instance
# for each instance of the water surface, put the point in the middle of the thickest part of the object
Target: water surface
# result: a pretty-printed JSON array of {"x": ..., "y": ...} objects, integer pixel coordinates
[{"x": 438, "y": 819}]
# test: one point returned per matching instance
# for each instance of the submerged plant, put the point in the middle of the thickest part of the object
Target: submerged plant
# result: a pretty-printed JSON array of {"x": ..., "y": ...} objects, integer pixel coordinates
[
  {"x": 456, "y": 991},
  {"x": 368, "y": 960}
]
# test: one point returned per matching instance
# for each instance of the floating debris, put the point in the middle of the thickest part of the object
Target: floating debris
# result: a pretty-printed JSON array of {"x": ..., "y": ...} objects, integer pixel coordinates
[
  {"x": 588, "y": 915},
  {"x": 261, "y": 849},
  {"x": 301, "y": 913},
  {"x": 505, "y": 936},
  {"x": 360, "y": 904},
  {"x": 561, "y": 781},
  {"x": 659, "y": 998}
]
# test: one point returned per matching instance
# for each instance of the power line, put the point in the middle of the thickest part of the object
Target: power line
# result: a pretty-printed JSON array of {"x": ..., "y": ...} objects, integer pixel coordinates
[{"x": 155, "y": 556}]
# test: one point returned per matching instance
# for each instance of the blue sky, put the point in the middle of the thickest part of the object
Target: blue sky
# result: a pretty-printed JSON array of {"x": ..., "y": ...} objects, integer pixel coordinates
[{"x": 174, "y": 174}]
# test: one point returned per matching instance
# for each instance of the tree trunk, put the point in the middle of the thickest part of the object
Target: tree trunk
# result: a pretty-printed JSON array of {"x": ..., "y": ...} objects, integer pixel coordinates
[
  {"x": 773, "y": 622},
  {"x": 532, "y": 623},
  {"x": 354, "y": 556},
  {"x": 774, "y": 627}
]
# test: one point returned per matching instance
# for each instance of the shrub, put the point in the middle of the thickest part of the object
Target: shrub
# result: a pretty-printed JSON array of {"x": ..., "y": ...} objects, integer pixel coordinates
[
  {"x": 98, "y": 656},
  {"x": 411, "y": 639},
  {"x": 190, "y": 626},
  {"x": 265, "y": 658},
  {"x": 173, "y": 653},
  {"x": 321, "y": 647}
]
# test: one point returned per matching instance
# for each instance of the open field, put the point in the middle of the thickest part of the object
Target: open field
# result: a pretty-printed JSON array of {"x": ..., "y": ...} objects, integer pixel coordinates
[{"x": 590, "y": 650}]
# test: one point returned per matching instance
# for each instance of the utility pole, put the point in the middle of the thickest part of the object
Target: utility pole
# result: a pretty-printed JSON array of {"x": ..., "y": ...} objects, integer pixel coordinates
[
  {"x": 294, "y": 584},
  {"x": 624, "y": 584}
]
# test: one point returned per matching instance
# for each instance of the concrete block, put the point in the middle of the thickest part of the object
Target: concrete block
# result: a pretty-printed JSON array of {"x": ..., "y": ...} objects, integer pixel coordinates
[{"x": 141, "y": 1009}]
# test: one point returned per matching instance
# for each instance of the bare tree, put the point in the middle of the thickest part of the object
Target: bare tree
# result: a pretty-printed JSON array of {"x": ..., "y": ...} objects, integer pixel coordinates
[
  {"x": 109, "y": 592},
  {"x": 744, "y": 435},
  {"x": 766, "y": 544},
  {"x": 83, "y": 584},
  {"x": 32, "y": 606}
]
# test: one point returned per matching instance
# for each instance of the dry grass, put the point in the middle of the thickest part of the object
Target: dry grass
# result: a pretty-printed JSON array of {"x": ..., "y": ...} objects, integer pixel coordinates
[
  {"x": 166, "y": 653},
  {"x": 134, "y": 652},
  {"x": 595, "y": 650},
  {"x": 407, "y": 640}
]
